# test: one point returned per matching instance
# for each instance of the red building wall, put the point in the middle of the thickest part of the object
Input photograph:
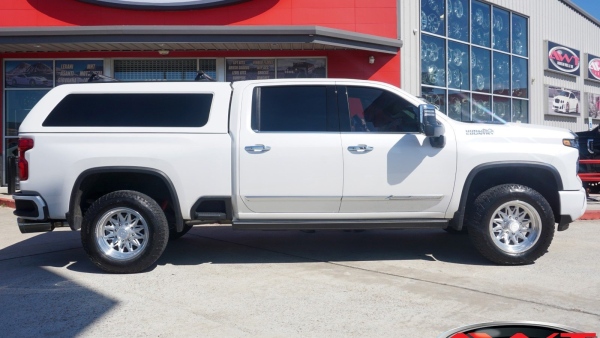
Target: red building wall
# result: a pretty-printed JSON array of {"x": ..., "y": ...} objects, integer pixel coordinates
[{"x": 375, "y": 17}]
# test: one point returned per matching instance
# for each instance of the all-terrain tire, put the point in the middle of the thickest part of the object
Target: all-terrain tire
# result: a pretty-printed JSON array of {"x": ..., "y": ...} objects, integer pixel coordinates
[
  {"x": 124, "y": 232},
  {"x": 511, "y": 224}
]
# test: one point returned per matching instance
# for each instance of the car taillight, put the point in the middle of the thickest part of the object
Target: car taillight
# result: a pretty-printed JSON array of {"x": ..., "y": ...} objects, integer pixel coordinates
[{"x": 24, "y": 145}]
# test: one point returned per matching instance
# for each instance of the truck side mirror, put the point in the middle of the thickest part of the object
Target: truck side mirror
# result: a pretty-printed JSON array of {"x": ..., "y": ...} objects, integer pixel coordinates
[{"x": 431, "y": 127}]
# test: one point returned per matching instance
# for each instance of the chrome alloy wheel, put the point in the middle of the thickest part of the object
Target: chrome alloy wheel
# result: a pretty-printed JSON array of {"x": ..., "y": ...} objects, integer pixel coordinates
[
  {"x": 122, "y": 234},
  {"x": 515, "y": 227}
]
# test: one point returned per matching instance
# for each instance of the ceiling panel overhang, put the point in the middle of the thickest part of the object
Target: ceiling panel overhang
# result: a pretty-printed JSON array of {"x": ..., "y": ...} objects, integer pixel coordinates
[{"x": 188, "y": 38}]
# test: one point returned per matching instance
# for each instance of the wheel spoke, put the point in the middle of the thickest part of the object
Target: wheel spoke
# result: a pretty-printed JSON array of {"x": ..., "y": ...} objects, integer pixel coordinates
[
  {"x": 122, "y": 233},
  {"x": 515, "y": 226}
]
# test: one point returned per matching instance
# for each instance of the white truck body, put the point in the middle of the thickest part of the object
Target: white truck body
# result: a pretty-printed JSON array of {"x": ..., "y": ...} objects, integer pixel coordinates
[{"x": 292, "y": 177}]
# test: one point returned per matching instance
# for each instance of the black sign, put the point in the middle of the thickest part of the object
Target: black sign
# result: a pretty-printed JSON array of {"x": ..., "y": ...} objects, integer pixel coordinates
[
  {"x": 163, "y": 4},
  {"x": 563, "y": 59},
  {"x": 77, "y": 71},
  {"x": 249, "y": 69}
]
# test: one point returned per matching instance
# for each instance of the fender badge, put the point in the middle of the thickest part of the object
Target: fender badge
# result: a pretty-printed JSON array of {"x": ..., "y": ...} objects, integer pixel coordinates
[{"x": 480, "y": 131}]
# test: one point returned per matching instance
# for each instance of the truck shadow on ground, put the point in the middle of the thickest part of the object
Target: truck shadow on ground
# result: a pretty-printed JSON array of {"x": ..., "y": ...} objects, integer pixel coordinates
[{"x": 222, "y": 245}]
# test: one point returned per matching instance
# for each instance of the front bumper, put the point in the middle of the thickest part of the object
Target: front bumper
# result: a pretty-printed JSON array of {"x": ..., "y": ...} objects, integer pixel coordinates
[{"x": 572, "y": 205}]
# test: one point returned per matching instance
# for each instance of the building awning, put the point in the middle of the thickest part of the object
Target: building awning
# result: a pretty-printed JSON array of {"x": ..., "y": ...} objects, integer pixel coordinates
[{"x": 188, "y": 38}]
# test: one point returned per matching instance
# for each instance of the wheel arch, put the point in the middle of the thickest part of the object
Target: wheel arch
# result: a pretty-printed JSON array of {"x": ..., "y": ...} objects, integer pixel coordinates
[
  {"x": 149, "y": 181},
  {"x": 541, "y": 177}
]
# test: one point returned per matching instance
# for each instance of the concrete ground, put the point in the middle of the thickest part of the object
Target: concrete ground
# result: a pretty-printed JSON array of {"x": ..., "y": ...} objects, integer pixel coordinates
[{"x": 215, "y": 282}]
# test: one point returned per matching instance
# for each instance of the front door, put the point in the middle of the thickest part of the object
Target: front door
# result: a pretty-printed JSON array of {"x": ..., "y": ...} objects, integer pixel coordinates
[
  {"x": 390, "y": 168},
  {"x": 290, "y": 154}
]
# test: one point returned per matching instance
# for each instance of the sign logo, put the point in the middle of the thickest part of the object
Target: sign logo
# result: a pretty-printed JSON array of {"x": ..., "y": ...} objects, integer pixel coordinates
[
  {"x": 593, "y": 67},
  {"x": 516, "y": 330},
  {"x": 564, "y": 59},
  {"x": 163, "y": 4}
]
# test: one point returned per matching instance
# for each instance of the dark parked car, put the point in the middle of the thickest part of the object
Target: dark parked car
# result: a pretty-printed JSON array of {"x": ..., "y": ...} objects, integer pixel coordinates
[{"x": 589, "y": 148}]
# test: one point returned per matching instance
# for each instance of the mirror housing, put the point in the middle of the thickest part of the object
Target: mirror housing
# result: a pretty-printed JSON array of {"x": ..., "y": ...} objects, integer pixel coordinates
[
  {"x": 431, "y": 127},
  {"x": 429, "y": 124}
]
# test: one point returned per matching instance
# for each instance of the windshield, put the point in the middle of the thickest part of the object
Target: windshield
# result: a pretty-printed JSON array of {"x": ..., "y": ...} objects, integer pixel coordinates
[{"x": 562, "y": 93}]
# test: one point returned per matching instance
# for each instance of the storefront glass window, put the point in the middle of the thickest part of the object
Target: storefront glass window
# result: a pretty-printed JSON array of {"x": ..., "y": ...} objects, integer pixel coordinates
[
  {"x": 501, "y": 109},
  {"x": 432, "y": 16},
  {"x": 458, "y": 106},
  {"x": 501, "y": 79},
  {"x": 433, "y": 61},
  {"x": 458, "y": 65},
  {"x": 501, "y": 30},
  {"x": 480, "y": 29},
  {"x": 519, "y": 35},
  {"x": 519, "y": 76},
  {"x": 478, "y": 59},
  {"x": 458, "y": 19},
  {"x": 18, "y": 105},
  {"x": 159, "y": 70},
  {"x": 520, "y": 111},
  {"x": 435, "y": 96},
  {"x": 482, "y": 108}
]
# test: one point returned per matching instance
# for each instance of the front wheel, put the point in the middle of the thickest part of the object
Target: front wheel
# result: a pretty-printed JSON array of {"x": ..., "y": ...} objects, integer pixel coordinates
[
  {"x": 511, "y": 224},
  {"x": 124, "y": 232}
]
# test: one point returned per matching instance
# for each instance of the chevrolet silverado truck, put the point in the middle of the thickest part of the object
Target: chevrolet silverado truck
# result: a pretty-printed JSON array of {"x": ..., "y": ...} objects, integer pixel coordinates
[{"x": 132, "y": 165}]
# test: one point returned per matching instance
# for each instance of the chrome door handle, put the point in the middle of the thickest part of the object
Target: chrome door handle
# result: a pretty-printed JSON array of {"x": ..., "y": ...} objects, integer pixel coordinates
[
  {"x": 590, "y": 146},
  {"x": 361, "y": 148},
  {"x": 259, "y": 148}
]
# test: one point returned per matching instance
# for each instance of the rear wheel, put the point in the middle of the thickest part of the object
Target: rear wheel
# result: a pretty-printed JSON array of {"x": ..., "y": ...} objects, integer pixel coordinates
[
  {"x": 511, "y": 224},
  {"x": 124, "y": 232}
]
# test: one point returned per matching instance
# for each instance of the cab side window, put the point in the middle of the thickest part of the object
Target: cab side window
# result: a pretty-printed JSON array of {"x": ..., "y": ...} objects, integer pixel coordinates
[{"x": 377, "y": 110}]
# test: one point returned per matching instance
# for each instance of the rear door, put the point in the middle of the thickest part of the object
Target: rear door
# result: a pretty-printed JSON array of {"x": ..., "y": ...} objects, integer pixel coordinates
[{"x": 290, "y": 158}]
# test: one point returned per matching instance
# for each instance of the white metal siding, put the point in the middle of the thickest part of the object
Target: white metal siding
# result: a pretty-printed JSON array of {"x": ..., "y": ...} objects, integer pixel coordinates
[{"x": 548, "y": 20}]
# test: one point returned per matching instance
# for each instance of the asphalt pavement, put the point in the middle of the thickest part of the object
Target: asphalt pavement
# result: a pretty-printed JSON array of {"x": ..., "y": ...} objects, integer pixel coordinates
[{"x": 216, "y": 282}]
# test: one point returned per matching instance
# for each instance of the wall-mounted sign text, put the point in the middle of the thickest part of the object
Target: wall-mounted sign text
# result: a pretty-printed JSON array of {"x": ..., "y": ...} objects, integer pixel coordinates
[
  {"x": 77, "y": 71},
  {"x": 163, "y": 4}
]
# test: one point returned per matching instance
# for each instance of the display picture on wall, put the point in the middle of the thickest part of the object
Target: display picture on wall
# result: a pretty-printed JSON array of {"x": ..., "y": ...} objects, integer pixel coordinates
[
  {"x": 77, "y": 71},
  {"x": 28, "y": 74},
  {"x": 563, "y": 101},
  {"x": 562, "y": 59},
  {"x": 249, "y": 69},
  {"x": 301, "y": 68},
  {"x": 592, "y": 105}
]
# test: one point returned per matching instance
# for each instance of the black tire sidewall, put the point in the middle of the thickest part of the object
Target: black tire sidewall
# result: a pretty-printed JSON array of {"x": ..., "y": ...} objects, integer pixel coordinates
[
  {"x": 158, "y": 231},
  {"x": 485, "y": 207}
]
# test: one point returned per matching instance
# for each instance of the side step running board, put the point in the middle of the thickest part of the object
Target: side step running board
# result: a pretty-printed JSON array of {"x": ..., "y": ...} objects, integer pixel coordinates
[
  {"x": 210, "y": 216},
  {"x": 340, "y": 225}
]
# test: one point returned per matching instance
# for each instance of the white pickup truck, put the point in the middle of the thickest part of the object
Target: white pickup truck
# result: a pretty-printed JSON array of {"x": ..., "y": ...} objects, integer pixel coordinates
[{"x": 133, "y": 165}]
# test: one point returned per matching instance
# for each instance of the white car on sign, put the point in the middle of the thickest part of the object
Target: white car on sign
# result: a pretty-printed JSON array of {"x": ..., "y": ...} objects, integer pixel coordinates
[{"x": 565, "y": 102}]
